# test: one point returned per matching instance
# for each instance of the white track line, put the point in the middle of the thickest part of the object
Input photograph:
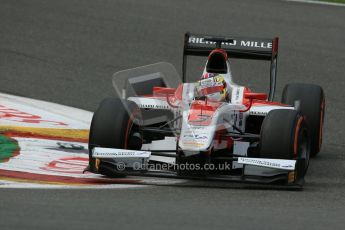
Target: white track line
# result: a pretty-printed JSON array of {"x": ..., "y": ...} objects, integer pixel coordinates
[
  {"x": 21, "y": 185},
  {"x": 317, "y": 2}
]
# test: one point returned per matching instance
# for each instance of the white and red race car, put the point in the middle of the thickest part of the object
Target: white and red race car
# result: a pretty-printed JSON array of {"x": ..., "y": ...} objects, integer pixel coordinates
[{"x": 211, "y": 128}]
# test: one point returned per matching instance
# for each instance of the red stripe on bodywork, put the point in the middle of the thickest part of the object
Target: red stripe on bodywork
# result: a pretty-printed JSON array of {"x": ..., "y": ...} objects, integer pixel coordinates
[
  {"x": 265, "y": 103},
  {"x": 201, "y": 112},
  {"x": 210, "y": 90}
]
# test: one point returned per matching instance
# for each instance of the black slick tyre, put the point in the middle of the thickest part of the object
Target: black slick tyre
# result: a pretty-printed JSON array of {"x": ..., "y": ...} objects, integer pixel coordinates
[
  {"x": 112, "y": 126},
  {"x": 312, "y": 107},
  {"x": 284, "y": 135}
]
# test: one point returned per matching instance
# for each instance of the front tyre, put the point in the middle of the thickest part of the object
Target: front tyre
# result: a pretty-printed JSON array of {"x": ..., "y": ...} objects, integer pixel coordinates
[
  {"x": 284, "y": 135},
  {"x": 115, "y": 124},
  {"x": 312, "y": 106}
]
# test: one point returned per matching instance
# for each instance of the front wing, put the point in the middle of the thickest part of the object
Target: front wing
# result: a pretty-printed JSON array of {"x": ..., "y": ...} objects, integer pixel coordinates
[{"x": 121, "y": 162}]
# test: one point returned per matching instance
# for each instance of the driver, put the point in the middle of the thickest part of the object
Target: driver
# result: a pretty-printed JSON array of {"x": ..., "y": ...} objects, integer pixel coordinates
[
  {"x": 213, "y": 87},
  {"x": 217, "y": 76}
]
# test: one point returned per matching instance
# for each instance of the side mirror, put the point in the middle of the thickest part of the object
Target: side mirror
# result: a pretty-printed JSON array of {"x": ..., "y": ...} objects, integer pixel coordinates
[{"x": 257, "y": 96}]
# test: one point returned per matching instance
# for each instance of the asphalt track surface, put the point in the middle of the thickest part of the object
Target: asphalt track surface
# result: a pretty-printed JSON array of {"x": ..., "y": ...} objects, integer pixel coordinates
[{"x": 66, "y": 51}]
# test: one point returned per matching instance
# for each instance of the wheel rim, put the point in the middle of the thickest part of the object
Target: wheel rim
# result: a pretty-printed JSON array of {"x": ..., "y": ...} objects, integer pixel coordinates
[
  {"x": 132, "y": 127},
  {"x": 304, "y": 147}
]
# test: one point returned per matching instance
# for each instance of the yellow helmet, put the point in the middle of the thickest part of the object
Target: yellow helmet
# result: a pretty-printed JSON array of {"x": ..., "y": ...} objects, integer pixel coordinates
[{"x": 213, "y": 87}]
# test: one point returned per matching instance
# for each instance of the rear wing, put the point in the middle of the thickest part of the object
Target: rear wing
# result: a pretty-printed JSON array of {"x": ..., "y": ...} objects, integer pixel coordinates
[{"x": 236, "y": 47}]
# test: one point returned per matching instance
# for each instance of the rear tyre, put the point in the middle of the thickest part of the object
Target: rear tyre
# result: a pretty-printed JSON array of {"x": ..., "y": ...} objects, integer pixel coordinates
[
  {"x": 115, "y": 124},
  {"x": 312, "y": 106},
  {"x": 284, "y": 135}
]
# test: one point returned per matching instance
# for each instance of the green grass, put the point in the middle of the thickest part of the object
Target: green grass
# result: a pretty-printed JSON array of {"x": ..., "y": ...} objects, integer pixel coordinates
[
  {"x": 8, "y": 148},
  {"x": 335, "y": 1}
]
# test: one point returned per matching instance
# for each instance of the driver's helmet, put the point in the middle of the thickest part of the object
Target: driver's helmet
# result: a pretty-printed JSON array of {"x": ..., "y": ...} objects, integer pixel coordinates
[{"x": 213, "y": 86}]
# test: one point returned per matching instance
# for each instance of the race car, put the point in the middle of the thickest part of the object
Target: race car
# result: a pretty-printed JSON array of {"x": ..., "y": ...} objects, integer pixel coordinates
[{"x": 211, "y": 128}]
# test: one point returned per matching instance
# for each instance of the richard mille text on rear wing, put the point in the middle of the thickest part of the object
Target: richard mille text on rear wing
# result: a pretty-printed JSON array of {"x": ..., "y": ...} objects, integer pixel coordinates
[{"x": 265, "y": 49}]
